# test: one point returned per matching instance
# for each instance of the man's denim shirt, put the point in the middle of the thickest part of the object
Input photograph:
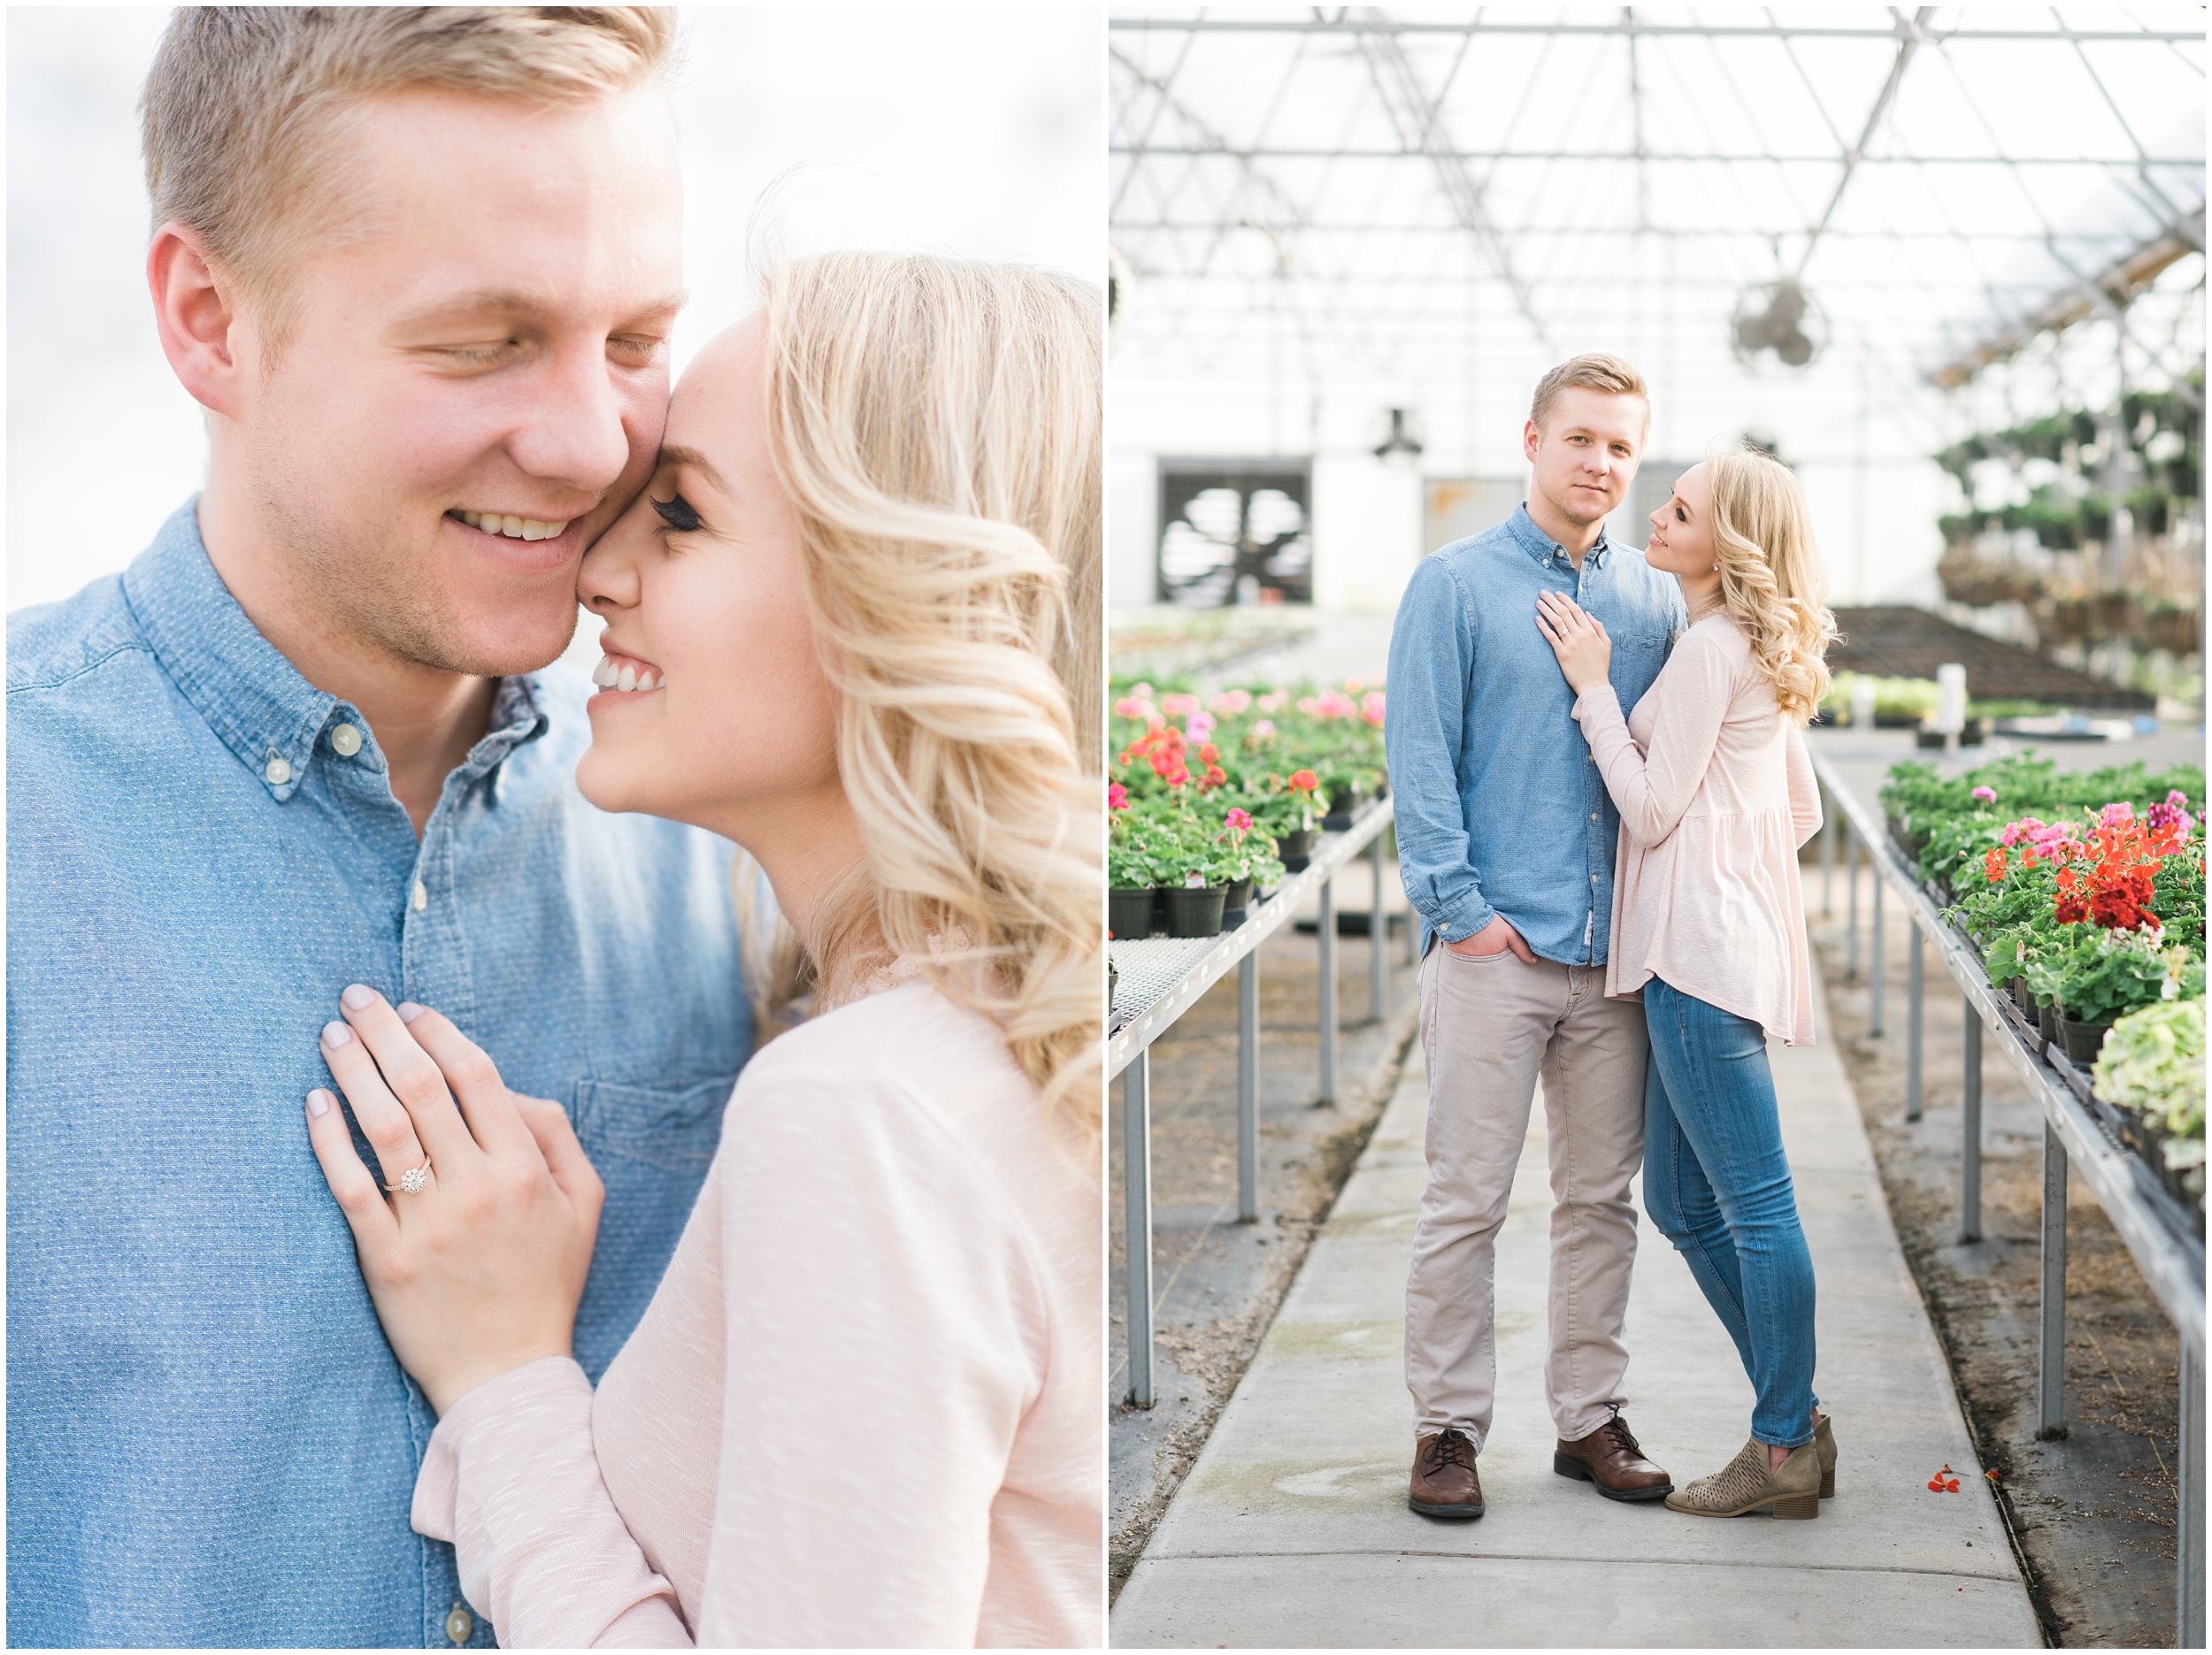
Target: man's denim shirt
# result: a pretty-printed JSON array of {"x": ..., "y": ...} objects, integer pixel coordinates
[
  {"x": 1499, "y": 805},
  {"x": 209, "y": 1441}
]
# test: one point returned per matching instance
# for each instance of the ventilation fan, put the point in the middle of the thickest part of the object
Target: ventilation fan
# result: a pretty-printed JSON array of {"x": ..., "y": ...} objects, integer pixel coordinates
[{"x": 1780, "y": 318}]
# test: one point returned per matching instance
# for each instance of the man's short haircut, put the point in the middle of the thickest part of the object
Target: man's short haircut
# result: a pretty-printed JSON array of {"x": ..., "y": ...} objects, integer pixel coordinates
[
  {"x": 1593, "y": 371},
  {"x": 243, "y": 115}
]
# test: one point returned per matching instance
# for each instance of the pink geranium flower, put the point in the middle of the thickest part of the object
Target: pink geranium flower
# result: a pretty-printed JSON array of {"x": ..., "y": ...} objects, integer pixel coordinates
[
  {"x": 1117, "y": 796},
  {"x": 1987, "y": 796}
]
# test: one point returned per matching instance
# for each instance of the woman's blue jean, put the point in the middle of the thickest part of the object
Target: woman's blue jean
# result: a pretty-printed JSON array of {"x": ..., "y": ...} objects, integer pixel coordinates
[{"x": 1718, "y": 1184}]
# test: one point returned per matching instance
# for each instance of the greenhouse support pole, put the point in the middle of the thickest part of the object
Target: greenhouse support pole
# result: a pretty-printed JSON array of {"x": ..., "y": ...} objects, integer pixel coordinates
[
  {"x": 1970, "y": 1133},
  {"x": 1248, "y": 1089},
  {"x": 1378, "y": 936},
  {"x": 1851, "y": 907},
  {"x": 1828, "y": 858},
  {"x": 1875, "y": 959},
  {"x": 1136, "y": 1169},
  {"x": 2190, "y": 1528},
  {"x": 1328, "y": 988},
  {"x": 2050, "y": 1374},
  {"x": 1916, "y": 1017}
]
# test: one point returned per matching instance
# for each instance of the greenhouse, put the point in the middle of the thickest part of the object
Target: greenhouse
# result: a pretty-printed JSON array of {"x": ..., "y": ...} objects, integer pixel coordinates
[{"x": 1946, "y": 265}]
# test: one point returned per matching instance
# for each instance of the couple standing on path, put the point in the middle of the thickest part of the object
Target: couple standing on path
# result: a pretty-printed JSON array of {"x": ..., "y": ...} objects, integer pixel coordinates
[{"x": 1554, "y": 697}]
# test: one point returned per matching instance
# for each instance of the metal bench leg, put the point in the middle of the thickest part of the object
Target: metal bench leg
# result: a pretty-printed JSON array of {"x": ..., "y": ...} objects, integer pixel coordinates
[
  {"x": 1915, "y": 1016},
  {"x": 1971, "y": 1134},
  {"x": 2189, "y": 1529},
  {"x": 1877, "y": 962},
  {"x": 1248, "y": 1089},
  {"x": 1378, "y": 938},
  {"x": 1828, "y": 854},
  {"x": 1328, "y": 989},
  {"x": 1136, "y": 1166},
  {"x": 1851, "y": 907},
  {"x": 2050, "y": 1376}
]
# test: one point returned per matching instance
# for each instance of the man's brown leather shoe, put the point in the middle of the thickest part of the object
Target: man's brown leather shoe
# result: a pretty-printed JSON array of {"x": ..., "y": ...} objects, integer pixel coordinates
[
  {"x": 1444, "y": 1480},
  {"x": 1611, "y": 1457}
]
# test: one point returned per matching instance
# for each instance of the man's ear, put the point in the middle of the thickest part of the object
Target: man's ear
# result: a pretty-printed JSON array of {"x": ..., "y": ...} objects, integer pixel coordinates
[
  {"x": 195, "y": 314},
  {"x": 1530, "y": 437}
]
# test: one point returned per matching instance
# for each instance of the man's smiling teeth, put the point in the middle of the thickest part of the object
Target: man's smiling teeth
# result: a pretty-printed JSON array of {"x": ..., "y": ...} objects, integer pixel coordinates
[
  {"x": 608, "y": 676},
  {"x": 513, "y": 528}
]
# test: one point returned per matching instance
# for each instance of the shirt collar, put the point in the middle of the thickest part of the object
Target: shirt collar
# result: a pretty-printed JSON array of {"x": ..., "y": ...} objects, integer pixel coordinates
[
  {"x": 253, "y": 699},
  {"x": 1543, "y": 548}
]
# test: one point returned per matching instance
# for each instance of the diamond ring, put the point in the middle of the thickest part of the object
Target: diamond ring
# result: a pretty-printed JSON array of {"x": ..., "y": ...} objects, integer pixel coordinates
[{"x": 414, "y": 1180}]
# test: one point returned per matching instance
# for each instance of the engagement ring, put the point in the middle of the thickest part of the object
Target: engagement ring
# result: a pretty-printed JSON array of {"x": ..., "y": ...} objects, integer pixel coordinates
[{"x": 413, "y": 1179}]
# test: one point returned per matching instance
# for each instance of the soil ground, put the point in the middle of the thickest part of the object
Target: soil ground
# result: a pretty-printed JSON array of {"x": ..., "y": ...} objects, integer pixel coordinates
[{"x": 2092, "y": 1514}]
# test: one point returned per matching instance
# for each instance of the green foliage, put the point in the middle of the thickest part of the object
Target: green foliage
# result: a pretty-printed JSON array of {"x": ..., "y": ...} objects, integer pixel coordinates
[{"x": 2153, "y": 1062}]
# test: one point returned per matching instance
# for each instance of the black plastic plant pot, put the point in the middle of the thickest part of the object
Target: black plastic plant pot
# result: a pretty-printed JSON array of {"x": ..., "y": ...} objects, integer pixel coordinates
[
  {"x": 1195, "y": 911},
  {"x": 2046, "y": 1020},
  {"x": 1129, "y": 914},
  {"x": 1236, "y": 905},
  {"x": 2022, "y": 997},
  {"x": 2082, "y": 1040},
  {"x": 1296, "y": 849},
  {"x": 1343, "y": 806}
]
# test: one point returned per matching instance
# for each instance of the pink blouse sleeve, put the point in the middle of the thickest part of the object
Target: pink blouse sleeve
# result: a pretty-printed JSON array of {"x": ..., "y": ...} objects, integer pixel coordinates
[
  {"x": 511, "y": 1479},
  {"x": 886, "y": 1333},
  {"x": 1805, "y": 811},
  {"x": 1654, "y": 787}
]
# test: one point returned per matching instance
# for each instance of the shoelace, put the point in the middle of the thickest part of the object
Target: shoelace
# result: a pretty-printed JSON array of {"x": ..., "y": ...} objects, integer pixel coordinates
[
  {"x": 1451, "y": 1448},
  {"x": 1617, "y": 1428}
]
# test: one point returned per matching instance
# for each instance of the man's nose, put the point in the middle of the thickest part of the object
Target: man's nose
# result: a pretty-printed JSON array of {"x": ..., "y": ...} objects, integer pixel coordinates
[{"x": 575, "y": 432}]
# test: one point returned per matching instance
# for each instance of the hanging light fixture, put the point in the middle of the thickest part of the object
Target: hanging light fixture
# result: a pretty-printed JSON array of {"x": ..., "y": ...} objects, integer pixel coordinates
[
  {"x": 1400, "y": 446},
  {"x": 1780, "y": 317}
]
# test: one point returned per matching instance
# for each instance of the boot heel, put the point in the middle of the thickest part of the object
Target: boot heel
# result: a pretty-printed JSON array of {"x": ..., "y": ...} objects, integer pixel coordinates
[
  {"x": 1827, "y": 1485},
  {"x": 1796, "y": 1506},
  {"x": 1567, "y": 1466}
]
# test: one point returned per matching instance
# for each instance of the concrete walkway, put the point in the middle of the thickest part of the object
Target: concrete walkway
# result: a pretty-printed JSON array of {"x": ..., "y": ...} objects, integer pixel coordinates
[{"x": 1293, "y": 1529}]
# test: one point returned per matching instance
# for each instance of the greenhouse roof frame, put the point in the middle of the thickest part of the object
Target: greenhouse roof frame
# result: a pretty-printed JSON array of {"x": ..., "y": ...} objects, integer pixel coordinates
[{"x": 1250, "y": 208}]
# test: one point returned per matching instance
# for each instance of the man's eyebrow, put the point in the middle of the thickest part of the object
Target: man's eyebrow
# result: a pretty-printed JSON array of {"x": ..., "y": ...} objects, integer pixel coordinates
[
  {"x": 698, "y": 462},
  {"x": 518, "y": 302}
]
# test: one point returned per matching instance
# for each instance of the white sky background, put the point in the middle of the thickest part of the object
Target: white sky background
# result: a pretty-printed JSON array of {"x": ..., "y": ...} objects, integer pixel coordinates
[
  {"x": 1286, "y": 313},
  {"x": 977, "y": 132}
]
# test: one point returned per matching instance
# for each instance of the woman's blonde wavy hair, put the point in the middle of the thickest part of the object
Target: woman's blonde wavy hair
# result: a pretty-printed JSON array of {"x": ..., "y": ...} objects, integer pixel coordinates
[
  {"x": 1771, "y": 574},
  {"x": 937, "y": 424}
]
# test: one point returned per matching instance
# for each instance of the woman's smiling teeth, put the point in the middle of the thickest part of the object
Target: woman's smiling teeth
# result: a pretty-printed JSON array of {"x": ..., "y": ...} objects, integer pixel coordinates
[
  {"x": 626, "y": 675},
  {"x": 512, "y": 528}
]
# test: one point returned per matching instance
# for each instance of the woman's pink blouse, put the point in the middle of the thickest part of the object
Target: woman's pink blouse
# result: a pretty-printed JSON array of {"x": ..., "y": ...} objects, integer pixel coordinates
[
  {"x": 863, "y": 1408},
  {"x": 1716, "y": 793}
]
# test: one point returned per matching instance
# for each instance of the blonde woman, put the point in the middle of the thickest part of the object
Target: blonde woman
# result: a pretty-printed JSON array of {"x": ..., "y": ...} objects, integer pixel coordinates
[
  {"x": 1716, "y": 793},
  {"x": 851, "y": 625}
]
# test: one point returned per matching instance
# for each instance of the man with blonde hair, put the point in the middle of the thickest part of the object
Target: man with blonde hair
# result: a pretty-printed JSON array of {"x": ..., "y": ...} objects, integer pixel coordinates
[
  {"x": 1506, "y": 840},
  {"x": 419, "y": 266}
]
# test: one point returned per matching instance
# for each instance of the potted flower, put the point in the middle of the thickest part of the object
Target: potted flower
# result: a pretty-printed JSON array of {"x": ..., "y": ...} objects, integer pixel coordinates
[
  {"x": 1291, "y": 815},
  {"x": 2152, "y": 1068},
  {"x": 1198, "y": 887},
  {"x": 1131, "y": 872}
]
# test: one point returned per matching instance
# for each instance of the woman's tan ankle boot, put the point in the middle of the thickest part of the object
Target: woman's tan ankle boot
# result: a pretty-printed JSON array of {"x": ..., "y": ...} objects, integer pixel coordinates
[
  {"x": 1824, "y": 1440},
  {"x": 1745, "y": 1484}
]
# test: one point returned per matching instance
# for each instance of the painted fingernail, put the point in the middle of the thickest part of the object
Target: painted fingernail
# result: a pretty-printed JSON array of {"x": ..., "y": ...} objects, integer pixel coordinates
[
  {"x": 409, "y": 1011},
  {"x": 335, "y": 1035},
  {"x": 319, "y": 1103},
  {"x": 356, "y": 996}
]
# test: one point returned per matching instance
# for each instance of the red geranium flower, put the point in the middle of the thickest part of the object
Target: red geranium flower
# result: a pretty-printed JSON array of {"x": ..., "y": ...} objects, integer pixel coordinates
[{"x": 1303, "y": 781}]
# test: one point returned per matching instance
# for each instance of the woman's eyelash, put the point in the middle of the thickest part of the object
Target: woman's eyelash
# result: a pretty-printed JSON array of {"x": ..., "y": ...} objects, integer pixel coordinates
[{"x": 676, "y": 512}]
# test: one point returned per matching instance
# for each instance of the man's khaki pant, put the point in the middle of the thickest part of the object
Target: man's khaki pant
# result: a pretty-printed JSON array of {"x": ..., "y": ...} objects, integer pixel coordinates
[{"x": 1489, "y": 1027}]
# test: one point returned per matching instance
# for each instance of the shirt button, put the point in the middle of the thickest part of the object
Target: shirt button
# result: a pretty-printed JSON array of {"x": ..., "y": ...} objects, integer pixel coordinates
[
  {"x": 1593, "y": 816},
  {"x": 278, "y": 772},
  {"x": 422, "y": 897},
  {"x": 346, "y": 740},
  {"x": 460, "y": 1626}
]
